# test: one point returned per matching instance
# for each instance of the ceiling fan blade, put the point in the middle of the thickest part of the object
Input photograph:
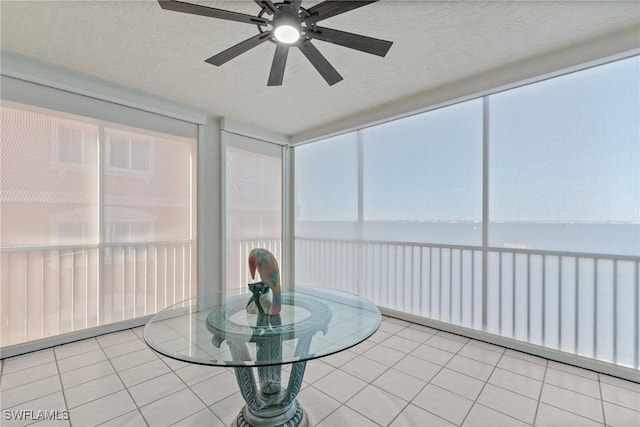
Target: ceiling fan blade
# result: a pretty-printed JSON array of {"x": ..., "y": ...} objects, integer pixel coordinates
[
  {"x": 330, "y": 8},
  {"x": 320, "y": 63},
  {"x": 278, "y": 64},
  {"x": 196, "y": 9},
  {"x": 353, "y": 41},
  {"x": 242, "y": 47},
  {"x": 268, "y": 4}
]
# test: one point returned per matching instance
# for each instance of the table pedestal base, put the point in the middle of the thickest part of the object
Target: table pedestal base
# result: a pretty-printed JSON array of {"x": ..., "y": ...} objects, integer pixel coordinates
[
  {"x": 298, "y": 418},
  {"x": 268, "y": 404}
]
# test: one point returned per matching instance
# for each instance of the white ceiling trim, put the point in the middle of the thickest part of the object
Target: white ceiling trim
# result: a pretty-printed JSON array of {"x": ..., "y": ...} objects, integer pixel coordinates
[
  {"x": 599, "y": 51},
  {"x": 48, "y": 75},
  {"x": 252, "y": 131}
]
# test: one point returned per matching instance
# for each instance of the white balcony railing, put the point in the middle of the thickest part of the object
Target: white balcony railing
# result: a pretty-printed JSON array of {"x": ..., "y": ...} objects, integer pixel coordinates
[
  {"x": 47, "y": 291},
  {"x": 580, "y": 303}
]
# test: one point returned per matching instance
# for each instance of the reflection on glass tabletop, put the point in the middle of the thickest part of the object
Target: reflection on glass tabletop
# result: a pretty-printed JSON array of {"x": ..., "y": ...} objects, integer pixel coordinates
[{"x": 216, "y": 329}]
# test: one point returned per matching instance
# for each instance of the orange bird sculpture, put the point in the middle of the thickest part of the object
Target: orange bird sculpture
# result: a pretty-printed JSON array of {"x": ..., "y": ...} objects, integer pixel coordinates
[{"x": 265, "y": 263}]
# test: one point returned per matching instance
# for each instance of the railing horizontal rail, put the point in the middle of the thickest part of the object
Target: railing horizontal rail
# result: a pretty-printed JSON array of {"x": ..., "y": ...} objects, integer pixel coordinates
[
  {"x": 489, "y": 248},
  {"x": 91, "y": 246}
]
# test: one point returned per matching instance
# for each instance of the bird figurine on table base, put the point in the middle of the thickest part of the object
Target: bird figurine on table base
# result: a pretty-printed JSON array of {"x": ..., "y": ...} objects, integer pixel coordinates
[{"x": 267, "y": 298}]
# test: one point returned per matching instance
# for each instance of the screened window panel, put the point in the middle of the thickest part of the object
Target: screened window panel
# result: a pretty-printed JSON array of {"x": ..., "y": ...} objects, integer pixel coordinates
[
  {"x": 148, "y": 186},
  {"x": 91, "y": 232},
  {"x": 565, "y": 162},
  {"x": 423, "y": 177},
  {"x": 326, "y": 178},
  {"x": 48, "y": 178},
  {"x": 253, "y": 204}
]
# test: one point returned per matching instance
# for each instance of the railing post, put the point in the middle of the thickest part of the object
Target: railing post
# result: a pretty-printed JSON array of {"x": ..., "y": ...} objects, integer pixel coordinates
[{"x": 485, "y": 205}]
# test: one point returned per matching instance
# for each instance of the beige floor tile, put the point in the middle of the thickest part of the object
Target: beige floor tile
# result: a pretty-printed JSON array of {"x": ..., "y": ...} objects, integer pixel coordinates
[
  {"x": 621, "y": 396},
  {"x": 483, "y": 355},
  {"x": 102, "y": 410},
  {"x": 374, "y": 383},
  {"x": 86, "y": 373},
  {"x": 481, "y": 416},
  {"x": 156, "y": 388},
  {"x": 315, "y": 370},
  {"x": 618, "y": 382},
  {"x": 432, "y": 354},
  {"x": 172, "y": 408},
  {"x": 92, "y": 390},
  {"x": 454, "y": 337},
  {"x": 193, "y": 374},
  {"x": 126, "y": 361},
  {"x": 549, "y": 416},
  {"x": 26, "y": 361},
  {"x": 470, "y": 367},
  {"x": 216, "y": 388},
  {"x": 363, "y": 346},
  {"x": 345, "y": 416},
  {"x": 418, "y": 368},
  {"x": 509, "y": 403},
  {"x": 75, "y": 348},
  {"x": 443, "y": 343},
  {"x": 573, "y": 382},
  {"x": 144, "y": 372},
  {"x": 199, "y": 419},
  {"x": 130, "y": 419},
  {"x": 412, "y": 416},
  {"x": 80, "y": 360},
  {"x": 516, "y": 383},
  {"x": 28, "y": 412},
  {"x": 486, "y": 346},
  {"x": 379, "y": 336},
  {"x": 522, "y": 367},
  {"x": 316, "y": 404},
  {"x": 228, "y": 409},
  {"x": 526, "y": 356},
  {"x": 443, "y": 403},
  {"x": 391, "y": 327},
  {"x": 400, "y": 384},
  {"x": 340, "y": 385},
  {"x": 116, "y": 338},
  {"x": 619, "y": 416},
  {"x": 364, "y": 368},
  {"x": 574, "y": 370},
  {"x": 338, "y": 359},
  {"x": 22, "y": 377},
  {"x": 377, "y": 404},
  {"x": 456, "y": 382},
  {"x": 404, "y": 345},
  {"x": 124, "y": 348},
  {"x": 30, "y": 391},
  {"x": 572, "y": 402},
  {"x": 384, "y": 355},
  {"x": 414, "y": 335}
]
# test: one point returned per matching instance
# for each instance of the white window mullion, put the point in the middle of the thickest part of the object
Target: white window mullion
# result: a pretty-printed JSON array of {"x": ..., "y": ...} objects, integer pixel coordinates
[{"x": 102, "y": 160}]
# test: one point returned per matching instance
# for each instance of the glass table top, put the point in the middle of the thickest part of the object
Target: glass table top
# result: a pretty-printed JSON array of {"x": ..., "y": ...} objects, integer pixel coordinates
[{"x": 215, "y": 329}]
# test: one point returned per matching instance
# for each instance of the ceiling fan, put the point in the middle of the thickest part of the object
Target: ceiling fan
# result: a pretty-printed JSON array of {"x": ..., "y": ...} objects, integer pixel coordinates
[{"x": 289, "y": 24}]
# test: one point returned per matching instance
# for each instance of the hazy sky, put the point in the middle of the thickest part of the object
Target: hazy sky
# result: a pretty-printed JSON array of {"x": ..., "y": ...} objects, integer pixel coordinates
[{"x": 565, "y": 149}]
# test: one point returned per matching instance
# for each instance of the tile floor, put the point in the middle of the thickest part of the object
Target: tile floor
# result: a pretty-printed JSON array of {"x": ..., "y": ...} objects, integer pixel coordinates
[{"x": 404, "y": 375}]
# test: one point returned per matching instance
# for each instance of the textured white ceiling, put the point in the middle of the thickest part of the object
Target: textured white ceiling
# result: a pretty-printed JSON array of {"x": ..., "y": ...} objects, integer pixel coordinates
[{"x": 162, "y": 53}]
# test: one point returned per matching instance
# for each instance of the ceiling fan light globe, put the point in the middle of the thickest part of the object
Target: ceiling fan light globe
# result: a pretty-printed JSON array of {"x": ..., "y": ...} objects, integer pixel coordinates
[{"x": 286, "y": 34}]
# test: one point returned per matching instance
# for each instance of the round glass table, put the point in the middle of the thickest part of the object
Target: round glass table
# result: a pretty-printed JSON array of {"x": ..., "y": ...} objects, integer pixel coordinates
[{"x": 216, "y": 330}]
